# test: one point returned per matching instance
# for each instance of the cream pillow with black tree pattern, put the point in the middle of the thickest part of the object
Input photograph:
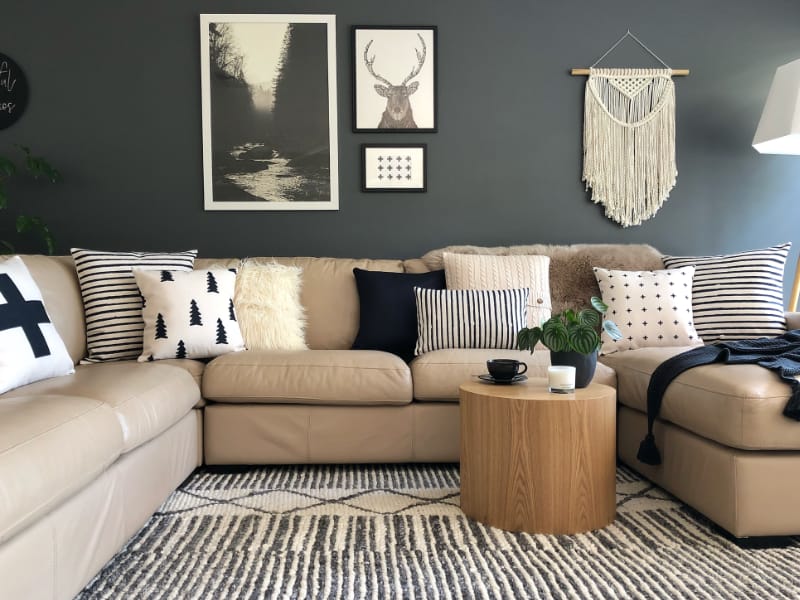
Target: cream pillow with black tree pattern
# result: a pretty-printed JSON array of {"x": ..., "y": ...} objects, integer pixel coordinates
[{"x": 188, "y": 315}]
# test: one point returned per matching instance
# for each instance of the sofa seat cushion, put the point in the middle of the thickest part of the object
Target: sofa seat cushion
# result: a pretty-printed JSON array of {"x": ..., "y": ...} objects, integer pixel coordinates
[
  {"x": 195, "y": 368},
  {"x": 437, "y": 375},
  {"x": 146, "y": 398},
  {"x": 331, "y": 377},
  {"x": 736, "y": 405},
  {"x": 50, "y": 447}
]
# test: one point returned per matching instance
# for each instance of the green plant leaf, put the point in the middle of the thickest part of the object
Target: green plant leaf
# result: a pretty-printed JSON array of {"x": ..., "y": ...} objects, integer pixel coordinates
[
  {"x": 6, "y": 247},
  {"x": 26, "y": 224},
  {"x": 590, "y": 317},
  {"x": 555, "y": 335},
  {"x": 599, "y": 305},
  {"x": 528, "y": 338},
  {"x": 7, "y": 168},
  {"x": 612, "y": 330},
  {"x": 38, "y": 166},
  {"x": 570, "y": 316},
  {"x": 583, "y": 339}
]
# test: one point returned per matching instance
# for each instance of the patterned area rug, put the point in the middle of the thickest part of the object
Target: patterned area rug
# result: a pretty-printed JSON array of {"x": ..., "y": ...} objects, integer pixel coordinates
[{"x": 396, "y": 531}]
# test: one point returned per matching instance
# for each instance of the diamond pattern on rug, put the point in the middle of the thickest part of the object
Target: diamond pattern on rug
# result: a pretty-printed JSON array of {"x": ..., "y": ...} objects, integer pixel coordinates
[{"x": 395, "y": 531}]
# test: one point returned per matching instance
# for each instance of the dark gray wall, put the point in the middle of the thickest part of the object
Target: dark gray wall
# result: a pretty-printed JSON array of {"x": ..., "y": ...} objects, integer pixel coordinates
[{"x": 115, "y": 104}]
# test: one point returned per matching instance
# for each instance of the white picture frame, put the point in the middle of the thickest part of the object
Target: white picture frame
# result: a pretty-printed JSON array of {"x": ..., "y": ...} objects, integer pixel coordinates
[{"x": 253, "y": 159}]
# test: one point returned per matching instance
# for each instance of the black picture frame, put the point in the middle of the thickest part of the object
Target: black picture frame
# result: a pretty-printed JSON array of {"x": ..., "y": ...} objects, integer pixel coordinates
[
  {"x": 380, "y": 164},
  {"x": 408, "y": 57}
]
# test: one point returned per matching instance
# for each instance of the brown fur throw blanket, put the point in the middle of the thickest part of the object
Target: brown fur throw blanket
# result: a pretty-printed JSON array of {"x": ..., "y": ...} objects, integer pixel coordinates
[{"x": 572, "y": 281}]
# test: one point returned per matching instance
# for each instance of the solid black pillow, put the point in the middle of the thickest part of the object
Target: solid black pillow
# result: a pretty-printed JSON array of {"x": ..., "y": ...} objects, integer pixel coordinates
[{"x": 389, "y": 309}]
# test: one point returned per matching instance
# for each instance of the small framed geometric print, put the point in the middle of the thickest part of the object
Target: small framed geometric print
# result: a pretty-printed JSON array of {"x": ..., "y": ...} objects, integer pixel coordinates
[{"x": 393, "y": 167}]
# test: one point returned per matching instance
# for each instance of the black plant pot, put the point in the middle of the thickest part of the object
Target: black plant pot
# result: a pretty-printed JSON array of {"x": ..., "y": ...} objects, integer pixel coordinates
[{"x": 584, "y": 364}]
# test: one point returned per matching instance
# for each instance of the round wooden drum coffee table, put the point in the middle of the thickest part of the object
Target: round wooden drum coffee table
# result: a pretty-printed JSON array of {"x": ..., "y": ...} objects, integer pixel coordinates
[{"x": 535, "y": 461}]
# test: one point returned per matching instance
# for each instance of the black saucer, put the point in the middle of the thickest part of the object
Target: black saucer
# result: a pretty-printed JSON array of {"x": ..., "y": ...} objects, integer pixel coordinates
[{"x": 486, "y": 378}]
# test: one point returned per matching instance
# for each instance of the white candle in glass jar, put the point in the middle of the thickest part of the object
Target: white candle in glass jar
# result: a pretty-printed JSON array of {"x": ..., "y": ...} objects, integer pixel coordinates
[{"x": 561, "y": 379}]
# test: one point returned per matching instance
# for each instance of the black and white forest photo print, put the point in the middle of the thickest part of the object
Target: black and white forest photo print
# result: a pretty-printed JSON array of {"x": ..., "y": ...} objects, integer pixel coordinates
[
  {"x": 269, "y": 112},
  {"x": 394, "y": 79}
]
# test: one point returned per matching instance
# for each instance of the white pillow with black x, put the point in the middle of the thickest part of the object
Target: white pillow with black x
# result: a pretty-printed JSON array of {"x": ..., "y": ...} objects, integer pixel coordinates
[{"x": 30, "y": 347}]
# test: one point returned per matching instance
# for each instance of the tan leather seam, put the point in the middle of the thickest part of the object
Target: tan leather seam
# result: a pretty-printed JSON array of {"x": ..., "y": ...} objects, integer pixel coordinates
[
  {"x": 47, "y": 502},
  {"x": 147, "y": 392},
  {"x": 55, "y": 427},
  {"x": 305, "y": 400},
  {"x": 308, "y": 435},
  {"x": 264, "y": 367},
  {"x": 413, "y": 433}
]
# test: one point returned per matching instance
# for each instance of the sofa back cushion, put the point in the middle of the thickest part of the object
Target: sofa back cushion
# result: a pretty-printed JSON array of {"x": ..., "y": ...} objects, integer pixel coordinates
[
  {"x": 572, "y": 281},
  {"x": 328, "y": 294},
  {"x": 58, "y": 282}
]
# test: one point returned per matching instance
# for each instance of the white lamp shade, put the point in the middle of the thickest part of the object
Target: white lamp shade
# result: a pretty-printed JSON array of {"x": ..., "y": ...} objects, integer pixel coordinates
[{"x": 779, "y": 128}]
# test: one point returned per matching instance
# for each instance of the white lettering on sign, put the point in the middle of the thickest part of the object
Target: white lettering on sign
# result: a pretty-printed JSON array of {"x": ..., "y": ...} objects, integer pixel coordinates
[
  {"x": 7, "y": 107},
  {"x": 7, "y": 81}
]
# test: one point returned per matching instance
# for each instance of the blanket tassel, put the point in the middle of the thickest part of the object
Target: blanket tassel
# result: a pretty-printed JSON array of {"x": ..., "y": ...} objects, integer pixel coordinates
[{"x": 648, "y": 452}]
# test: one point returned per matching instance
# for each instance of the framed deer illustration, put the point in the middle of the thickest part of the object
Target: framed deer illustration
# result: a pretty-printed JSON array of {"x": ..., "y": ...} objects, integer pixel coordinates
[{"x": 394, "y": 78}]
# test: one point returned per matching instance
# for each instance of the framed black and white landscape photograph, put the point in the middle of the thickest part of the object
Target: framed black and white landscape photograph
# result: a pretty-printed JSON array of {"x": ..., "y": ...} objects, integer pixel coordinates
[
  {"x": 269, "y": 112},
  {"x": 394, "y": 168},
  {"x": 394, "y": 78}
]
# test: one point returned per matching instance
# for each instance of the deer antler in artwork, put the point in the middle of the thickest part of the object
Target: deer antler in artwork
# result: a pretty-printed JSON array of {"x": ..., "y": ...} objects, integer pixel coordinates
[
  {"x": 369, "y": 64},
  {"x": 420, "y": 61}
]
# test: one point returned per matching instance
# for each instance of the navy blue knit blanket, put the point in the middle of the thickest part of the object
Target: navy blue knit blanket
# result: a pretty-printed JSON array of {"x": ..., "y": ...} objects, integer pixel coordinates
[{"x": 780, "y": 354}]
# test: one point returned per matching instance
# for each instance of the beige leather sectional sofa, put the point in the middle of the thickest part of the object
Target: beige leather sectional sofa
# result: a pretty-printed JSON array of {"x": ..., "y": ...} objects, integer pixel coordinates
[{"x": 85, "y": 459}]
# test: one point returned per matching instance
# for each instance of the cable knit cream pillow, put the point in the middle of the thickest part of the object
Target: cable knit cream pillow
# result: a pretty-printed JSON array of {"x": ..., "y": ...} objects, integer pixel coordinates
[
  {"x": 268, "y": 306},
  {"x": 488, "y": 272}
]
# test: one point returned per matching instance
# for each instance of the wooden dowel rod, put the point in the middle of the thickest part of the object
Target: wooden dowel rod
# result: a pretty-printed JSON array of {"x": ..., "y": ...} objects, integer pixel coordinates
[
  {"x": 795, "y": 288},
  {"x": 675, "y": 72}
]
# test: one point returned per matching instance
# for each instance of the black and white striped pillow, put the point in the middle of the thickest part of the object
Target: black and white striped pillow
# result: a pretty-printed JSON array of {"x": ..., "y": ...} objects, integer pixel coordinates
[
  {"x": 111, "y": 300},
  {"x": 737, "y": 296},
  {"x": 469, "y": 318}
]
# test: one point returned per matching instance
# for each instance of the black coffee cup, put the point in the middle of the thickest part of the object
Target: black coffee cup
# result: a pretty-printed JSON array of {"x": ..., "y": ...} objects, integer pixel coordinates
[{"x": 505, "y": 369}]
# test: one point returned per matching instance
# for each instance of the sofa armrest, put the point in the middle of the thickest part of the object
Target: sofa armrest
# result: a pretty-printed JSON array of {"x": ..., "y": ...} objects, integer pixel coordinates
[{"x": 793, "y": 320}]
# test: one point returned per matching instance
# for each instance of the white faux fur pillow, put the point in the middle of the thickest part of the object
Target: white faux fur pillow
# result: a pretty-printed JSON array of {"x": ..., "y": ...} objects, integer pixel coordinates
[{"x": 268, "y": 306}]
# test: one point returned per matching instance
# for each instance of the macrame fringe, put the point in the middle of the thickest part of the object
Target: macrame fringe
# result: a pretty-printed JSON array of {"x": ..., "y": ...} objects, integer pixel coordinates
[{"x": 629, "y": 141}]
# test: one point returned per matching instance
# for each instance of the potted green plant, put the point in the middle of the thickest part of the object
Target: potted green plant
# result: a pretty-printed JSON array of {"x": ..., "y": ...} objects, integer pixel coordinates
[
  {"x": 37, "y": 167},
  {"x": 573, "y": 338}
]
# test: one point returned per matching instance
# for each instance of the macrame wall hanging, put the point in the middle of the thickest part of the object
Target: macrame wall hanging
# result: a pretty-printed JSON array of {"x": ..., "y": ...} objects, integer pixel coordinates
[{"x": 629, "y": 138}]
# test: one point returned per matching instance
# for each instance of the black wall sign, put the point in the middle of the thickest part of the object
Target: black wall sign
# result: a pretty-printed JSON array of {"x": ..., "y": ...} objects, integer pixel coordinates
[{"x": 13, "y": 92}]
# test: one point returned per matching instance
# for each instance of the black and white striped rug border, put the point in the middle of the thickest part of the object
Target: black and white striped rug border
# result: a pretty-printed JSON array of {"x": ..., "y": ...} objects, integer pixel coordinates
[{"x": 302, "y": 532}]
